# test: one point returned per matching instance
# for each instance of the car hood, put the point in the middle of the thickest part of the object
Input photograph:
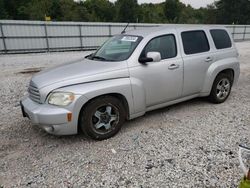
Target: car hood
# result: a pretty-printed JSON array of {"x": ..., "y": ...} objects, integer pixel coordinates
[{"x": 80, "y": 71}]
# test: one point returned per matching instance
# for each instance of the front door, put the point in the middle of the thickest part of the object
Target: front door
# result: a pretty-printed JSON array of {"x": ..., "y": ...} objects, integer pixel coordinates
[{"x": 162, "y": 81}]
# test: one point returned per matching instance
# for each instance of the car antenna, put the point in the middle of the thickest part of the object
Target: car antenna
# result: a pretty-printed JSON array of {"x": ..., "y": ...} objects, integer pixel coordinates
[{"x": 124, "y": 30}]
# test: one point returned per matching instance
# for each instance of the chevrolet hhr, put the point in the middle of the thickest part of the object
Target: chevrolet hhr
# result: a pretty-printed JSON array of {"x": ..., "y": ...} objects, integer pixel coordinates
[{"x": 130, "y": 74}]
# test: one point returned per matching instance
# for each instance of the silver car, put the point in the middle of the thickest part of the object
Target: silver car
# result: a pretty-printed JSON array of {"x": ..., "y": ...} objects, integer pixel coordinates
[{"x": 130, "y": 74}]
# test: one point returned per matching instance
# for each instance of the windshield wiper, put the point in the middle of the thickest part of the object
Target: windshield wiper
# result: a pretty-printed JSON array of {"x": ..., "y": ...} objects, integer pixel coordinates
[
  {"x": 88, "y": 56},
  {"x": 100, "y": 58}
]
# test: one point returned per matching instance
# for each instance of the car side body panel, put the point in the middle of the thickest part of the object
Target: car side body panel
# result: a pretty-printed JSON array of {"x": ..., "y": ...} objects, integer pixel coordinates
[
  {"x": 157, "y": 80},
  {"x": 217, "y": 67},
  {"x": 145, "y": 87},
  {"x": 195, "y": 65},
  {"x": 121, "y": 86},
  {"x": 119, "y": 70}
]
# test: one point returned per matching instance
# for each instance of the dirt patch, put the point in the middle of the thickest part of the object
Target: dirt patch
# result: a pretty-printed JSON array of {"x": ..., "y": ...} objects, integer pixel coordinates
[{"x": 31, "y": 70}]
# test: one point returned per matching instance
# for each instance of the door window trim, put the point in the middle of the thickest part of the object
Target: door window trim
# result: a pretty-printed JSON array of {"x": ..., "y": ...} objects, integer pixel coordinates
[
  {"x": 164, "y": 35},
  {"x": 201, "y": 30},
  {"x": 231, "y": 43}
]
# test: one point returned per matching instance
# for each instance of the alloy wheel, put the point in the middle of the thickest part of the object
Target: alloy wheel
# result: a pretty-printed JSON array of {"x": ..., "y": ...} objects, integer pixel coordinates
[
  {"x": 223, "y": 88},
  {"x": 105, "y": 118}
]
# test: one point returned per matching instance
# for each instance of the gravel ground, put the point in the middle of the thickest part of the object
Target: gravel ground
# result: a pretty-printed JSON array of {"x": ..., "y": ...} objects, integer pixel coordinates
[{"x": 192, "y": 144}]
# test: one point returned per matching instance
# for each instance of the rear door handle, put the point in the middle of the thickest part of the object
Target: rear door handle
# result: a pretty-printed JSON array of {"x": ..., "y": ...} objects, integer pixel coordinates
[
  {"x": 208, "y": 59},
  {"x": 173, "y": 66}
]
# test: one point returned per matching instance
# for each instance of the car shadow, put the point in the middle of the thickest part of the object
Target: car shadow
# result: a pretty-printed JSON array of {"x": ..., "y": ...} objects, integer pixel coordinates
[
  {"x": 175, "y": 107},
  {"x": 80, "y": 137}
]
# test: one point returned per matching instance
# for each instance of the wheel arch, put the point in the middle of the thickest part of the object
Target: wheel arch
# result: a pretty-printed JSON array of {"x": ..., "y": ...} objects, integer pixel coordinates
[
  {"x": 119, "y": 96},
  {"x": 228, "y": 71},
  {"x": 229, "y": 67}
]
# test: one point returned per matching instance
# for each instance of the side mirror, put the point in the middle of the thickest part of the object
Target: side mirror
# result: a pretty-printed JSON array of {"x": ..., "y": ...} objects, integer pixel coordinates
[
  {"x": 156, "y": 56},
  {"x": 151, "y": 57}
]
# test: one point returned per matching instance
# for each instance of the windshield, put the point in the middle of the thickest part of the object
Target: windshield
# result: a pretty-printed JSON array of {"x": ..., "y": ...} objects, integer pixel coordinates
[{"x": 117, "y": 48}]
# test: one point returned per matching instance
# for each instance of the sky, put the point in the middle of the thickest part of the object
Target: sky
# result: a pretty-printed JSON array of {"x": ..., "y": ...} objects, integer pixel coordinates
[{"x": 193, "y": 3}]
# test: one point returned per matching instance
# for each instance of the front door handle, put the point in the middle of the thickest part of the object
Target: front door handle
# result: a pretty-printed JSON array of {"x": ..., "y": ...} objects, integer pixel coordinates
[
  {"x": 173, "y": 66},
  {"x": 209, "y": 59}
]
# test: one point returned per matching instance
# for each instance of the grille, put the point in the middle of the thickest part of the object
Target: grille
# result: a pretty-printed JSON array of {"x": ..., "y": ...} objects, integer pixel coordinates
[{"x": 34, "y": 93}]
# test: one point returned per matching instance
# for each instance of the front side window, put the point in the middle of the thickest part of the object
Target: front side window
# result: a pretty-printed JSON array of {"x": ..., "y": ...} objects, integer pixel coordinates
[
  {"x": 195, "y": 42},
  {"x": 117, "y": 48},
  {"x": 165, "y": 45},
  {"x": 221, "y": 38}
]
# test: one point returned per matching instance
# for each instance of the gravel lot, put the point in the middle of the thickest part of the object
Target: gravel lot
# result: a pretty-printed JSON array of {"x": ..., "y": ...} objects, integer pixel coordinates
[{"x": 192, "y": 144}]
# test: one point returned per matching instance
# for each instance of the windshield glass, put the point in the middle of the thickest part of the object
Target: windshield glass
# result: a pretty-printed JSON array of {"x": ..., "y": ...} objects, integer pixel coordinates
[{"x": 117, "y": 48}]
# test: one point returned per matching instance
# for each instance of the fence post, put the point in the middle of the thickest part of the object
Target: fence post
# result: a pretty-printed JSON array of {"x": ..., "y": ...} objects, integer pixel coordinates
[
  {"x": 46, "y": 36},
  {"x": 244, "y": 34},
  {"x": 3, "y": 38},
  {"x": 110, "y": 33},
  {"x": 233, "y": 32},
  {"x": 80, "y": 35}
]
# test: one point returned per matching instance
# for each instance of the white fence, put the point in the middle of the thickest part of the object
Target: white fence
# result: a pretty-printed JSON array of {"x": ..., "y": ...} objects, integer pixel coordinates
[{"x": 37, "y": 36}]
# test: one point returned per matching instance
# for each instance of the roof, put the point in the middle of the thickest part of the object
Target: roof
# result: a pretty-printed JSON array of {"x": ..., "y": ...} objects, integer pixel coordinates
[{"x": 149, "y": 30}]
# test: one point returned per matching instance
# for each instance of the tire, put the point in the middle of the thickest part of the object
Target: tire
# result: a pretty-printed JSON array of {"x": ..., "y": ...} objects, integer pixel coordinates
[
  {"x": 102, "y": 118},
  {"x": 221, "y": 88}
]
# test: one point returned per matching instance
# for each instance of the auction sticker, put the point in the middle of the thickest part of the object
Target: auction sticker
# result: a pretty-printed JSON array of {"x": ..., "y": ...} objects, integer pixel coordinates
[{"x": 129, "y": 38}]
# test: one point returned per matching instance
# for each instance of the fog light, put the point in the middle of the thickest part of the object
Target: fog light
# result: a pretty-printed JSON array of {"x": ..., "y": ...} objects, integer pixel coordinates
[{"x": 49, "y": 129}]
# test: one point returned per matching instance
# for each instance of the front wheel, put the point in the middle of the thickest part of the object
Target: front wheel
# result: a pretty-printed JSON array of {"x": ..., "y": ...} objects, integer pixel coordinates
[
  {"x": 102, "y": 118},
  {"x": 221, "y": 89}
]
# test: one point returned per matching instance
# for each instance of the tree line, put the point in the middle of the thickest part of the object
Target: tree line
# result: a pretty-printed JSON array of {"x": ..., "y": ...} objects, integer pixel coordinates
[{"x": 170, "y": 11}]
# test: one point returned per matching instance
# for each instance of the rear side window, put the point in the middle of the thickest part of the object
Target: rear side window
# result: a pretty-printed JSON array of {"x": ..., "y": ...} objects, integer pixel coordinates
[
  {"x": 195, "y": 42},
  {"x": 221, "y": 38}
]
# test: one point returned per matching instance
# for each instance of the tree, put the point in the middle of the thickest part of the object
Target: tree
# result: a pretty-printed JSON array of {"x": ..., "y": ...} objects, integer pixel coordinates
[
  {"x": 127, "y": 11},
  {"x": 100, "y": 10},
  {"x": 83, "y": 12},
  {"x": 172, "y": 10},
  {"x": 187, "y": 16},
  {"x": 13, "y": 9},
  {"x": 55, "y": 10},
  {"x": 37, "y": 9},
  {"x": 151, "y": 13},
  {"x": 3, "y": 11},
  {"x": 210, "y": 14},
  {"x": 70, "y": 11},
  {"x": 58, "y": 10},
  {"x": 232, "y": 11}
]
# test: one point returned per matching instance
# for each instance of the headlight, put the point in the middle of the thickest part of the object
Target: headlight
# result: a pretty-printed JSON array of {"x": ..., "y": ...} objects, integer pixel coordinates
[{"x": 61, "y": 98}]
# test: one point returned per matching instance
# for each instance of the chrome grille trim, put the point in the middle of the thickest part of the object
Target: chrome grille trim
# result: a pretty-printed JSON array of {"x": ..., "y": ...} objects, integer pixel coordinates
[{"x": 34, "y": 93}]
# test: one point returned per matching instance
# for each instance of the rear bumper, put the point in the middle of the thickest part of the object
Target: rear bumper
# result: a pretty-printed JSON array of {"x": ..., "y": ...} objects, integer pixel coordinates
[{"x": 51, "y": 118}]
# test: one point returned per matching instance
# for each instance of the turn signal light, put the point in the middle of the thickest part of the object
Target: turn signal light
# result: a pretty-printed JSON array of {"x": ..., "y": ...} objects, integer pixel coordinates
[{"x": 69, "y": 116}]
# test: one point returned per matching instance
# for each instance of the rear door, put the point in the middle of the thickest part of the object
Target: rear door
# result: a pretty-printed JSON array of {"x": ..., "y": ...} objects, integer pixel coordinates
[{"x": 197, "y": 57}]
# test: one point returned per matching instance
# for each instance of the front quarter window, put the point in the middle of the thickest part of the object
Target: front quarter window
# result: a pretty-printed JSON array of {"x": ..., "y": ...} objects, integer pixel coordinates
[{"x": 118, "y": 48}]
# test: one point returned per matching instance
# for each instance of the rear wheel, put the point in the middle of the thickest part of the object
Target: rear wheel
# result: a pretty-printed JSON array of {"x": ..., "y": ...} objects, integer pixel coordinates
[
  {"x": 102, "y": 118},
  {"x": 221, "y": 88}
]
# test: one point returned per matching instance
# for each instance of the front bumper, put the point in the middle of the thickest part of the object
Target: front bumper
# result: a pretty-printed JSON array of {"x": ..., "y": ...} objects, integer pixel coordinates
[{"x": 52, "y": 119}]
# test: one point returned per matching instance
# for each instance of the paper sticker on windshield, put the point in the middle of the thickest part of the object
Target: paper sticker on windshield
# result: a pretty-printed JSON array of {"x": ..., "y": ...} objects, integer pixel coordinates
[{"x": 129, "y": 38}]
